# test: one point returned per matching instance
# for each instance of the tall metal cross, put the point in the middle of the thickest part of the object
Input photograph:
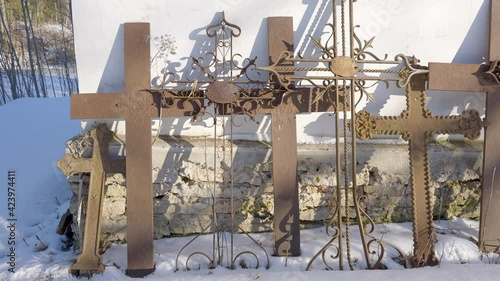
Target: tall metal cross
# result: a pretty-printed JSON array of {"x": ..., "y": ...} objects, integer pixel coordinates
[
  {"x": 417, "y": 125},
  {"x": 137, "y": 106},
  {"x": 481, "y": 78}
]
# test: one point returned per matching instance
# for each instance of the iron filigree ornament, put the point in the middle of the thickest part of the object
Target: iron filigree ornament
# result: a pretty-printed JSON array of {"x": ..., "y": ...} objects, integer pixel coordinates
[
  {"x": 221, "y": 77},
  {"x": 232, "y": 85}
]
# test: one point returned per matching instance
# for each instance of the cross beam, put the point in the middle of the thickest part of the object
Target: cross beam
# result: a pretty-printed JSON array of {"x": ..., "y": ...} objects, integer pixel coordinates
[
  {"x": 481, "y": 78},
  {"x": 90, "y": 260},
  {"x": 137, "y": 106},
  {"x": 417, "y": 124},
  {"x": 284, "y": 151},
  {"x": 71, "y": 165}
]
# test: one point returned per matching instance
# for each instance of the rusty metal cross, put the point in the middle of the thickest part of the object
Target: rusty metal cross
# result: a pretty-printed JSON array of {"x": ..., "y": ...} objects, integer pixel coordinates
[
  {"x": 481, "y": 78},
  {"x": 137, "y": 106},
  {"x": 417, "y": 125}
]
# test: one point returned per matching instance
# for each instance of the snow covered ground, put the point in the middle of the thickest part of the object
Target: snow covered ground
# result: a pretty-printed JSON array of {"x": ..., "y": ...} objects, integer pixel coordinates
[{"x": 33, "y": 135}]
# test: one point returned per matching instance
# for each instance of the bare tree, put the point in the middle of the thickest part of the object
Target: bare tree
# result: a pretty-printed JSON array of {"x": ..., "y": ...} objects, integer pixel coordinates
[{"x": 36, "y": 49}]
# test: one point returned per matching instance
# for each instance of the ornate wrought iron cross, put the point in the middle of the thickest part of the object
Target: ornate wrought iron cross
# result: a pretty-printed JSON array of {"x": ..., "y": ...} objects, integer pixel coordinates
[
  {"x": 346, "y": 65},
  {"x": 233, "y": 89},
  {"x": 417, "y": 125}
]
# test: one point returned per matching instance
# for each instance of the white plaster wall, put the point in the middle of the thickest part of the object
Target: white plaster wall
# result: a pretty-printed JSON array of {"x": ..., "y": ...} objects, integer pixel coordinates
[{"x": 435, "y": 31}]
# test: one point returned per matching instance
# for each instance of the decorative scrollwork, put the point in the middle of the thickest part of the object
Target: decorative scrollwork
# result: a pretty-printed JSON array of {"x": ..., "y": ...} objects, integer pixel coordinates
[
  {"x": 362, "y": 87},
  {"x": 334, "y": 69},
  {"x": 493, "y": 72},
  {"x": 368, "y": 229},
  {"x": 365, "y": 125},
  {"x": 471, "y": 124},
  {"x": 268, "y": 262},
  {"x": 410, "y": 69},
  {"x": 335, "y": 236},
  {"x": 380, "y": 252},
  {"x": 218, "y": 68},
  {"x": 177, "y": 261},
  {"x": 361, "y": 51}
]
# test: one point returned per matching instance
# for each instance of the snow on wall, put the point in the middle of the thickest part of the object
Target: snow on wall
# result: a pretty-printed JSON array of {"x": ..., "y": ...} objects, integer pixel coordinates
[{"x": 434, "y": 31}]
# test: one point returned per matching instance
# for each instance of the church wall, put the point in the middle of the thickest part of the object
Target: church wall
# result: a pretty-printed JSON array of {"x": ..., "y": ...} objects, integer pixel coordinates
[{"x": 433, "y": 31}]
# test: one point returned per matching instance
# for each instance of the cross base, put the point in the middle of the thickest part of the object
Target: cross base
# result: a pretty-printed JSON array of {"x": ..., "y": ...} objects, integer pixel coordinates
[
  {"x": 139, "y": 273},
  {"x": 86, "y": 265},
  {"x": 428, "y": 259}
]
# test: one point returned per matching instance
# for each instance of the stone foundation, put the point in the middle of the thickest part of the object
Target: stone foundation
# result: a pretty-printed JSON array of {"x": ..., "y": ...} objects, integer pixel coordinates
[{"x": 185, "y": 186}]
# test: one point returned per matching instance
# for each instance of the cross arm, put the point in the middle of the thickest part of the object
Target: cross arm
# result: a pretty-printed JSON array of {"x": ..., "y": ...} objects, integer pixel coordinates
[
  {"x": 301, "y": 100},
  {"x": 71, "y": 165},
  {"x": 468, "y": 77},
  {"x": 457, "y": 77},
  {"x": 469, "y": 124},
  {"x": 96, "y": 106}
]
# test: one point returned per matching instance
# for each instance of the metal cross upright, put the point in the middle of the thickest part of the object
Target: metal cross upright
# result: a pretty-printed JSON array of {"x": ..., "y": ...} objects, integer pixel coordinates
[
  {"x": 417, "y": 125},
  {"x": 137, "y": 106},
  {"x": 218, "y": 79},
  {"x": 286, "y": 216},
  {"x": 481, "y": 78},
  {"x": 284, "y": 153},
  {"x": 90, "y": 261}
]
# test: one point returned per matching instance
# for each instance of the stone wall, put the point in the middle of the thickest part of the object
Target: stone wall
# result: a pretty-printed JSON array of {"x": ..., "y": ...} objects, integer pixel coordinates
[{"x": 185, "y": 185}]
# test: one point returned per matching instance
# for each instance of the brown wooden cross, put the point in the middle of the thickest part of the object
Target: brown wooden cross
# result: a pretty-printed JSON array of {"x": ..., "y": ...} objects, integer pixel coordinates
[
  {"x": 90, "y": 260},
  {"x": 137, "y": 106},
  {"x": 417, "y": 125},
  {"x": 481, "y": 78}
]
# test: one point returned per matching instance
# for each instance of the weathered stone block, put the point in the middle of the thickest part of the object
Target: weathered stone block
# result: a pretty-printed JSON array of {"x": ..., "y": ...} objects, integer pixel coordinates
[{"x": 184, "y": 191}]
